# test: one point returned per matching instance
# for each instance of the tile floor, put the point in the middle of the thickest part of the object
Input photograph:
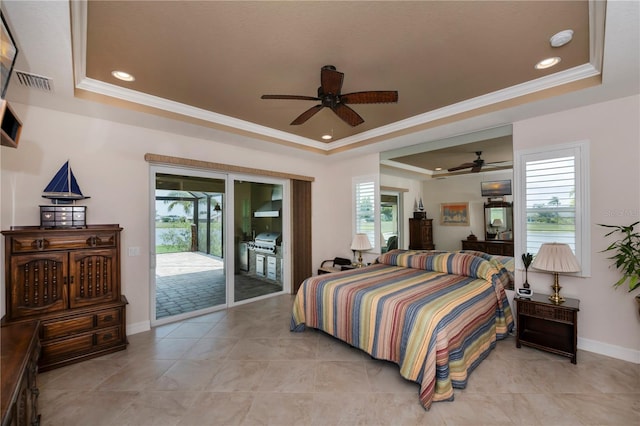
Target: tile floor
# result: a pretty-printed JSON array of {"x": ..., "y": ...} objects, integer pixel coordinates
[{"x": 244, "y": 367}]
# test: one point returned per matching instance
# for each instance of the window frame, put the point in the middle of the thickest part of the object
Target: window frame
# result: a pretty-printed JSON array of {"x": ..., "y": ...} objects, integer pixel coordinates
[
  {"x": 580, "y": 151},
  {"x": 356, "y": 181}
]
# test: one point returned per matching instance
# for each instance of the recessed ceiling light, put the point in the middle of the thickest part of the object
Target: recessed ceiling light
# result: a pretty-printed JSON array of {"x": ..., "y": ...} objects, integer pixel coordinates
[
  {"x": 438, "y": 169},
  {"x": 327, "y": 137},
  {"x": 561, "y": 38},
  {"x": 547, "y": 63},
  {"x": 121, "y": 75}
]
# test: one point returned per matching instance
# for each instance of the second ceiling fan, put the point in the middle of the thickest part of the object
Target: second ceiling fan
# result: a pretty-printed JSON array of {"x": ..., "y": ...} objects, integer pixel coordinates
[
  {"x": 475, "y": 166},
  {"x": 330, "y": 97}
]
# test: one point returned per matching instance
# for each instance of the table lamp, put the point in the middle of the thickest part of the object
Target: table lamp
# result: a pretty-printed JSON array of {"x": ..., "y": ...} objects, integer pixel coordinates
[
  {"x": 556, "y": 258},
  {"x": 360, "y": 243}
]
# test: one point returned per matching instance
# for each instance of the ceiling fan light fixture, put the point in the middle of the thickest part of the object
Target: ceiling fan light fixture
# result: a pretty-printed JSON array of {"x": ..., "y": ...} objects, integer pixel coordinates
[
  {"x": 122, "y": 75},
  {"x": 547, "y": 63}
]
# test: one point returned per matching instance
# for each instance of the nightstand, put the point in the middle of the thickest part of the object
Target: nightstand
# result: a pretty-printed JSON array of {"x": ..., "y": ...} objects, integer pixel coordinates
[{"x": 544, "y": 325}]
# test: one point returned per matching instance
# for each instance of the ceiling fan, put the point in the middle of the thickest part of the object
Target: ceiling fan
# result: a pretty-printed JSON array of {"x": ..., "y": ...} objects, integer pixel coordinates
[
  {"x": 475, "y": 167},
  {"x": 329, "y": 96}
]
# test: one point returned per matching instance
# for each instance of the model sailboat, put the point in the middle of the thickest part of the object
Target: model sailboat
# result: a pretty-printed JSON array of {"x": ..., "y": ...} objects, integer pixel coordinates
[{"x": 63, "y": 188}]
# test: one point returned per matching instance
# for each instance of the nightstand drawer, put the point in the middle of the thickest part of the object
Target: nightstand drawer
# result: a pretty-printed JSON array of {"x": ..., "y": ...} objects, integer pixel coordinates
[{"x": 547, "y": 312}]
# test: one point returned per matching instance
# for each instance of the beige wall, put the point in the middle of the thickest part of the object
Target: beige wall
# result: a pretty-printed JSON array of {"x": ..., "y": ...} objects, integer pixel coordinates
[
  {"x": 608, "y": 318},
  {"x": 107, "y": 159}
]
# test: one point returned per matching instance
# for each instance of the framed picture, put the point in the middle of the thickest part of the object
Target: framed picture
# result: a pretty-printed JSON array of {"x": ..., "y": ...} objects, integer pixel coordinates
[
  {"x": 455, "y": 214},
  {"x": 8, "y": 54}
]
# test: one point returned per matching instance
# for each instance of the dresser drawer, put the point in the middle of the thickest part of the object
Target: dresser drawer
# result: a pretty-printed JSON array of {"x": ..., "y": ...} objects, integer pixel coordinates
[
  {"x": 63, "y": 347},
  {"x": 66, "y": 327},
  {"x": 108, "y": 318},
  {"x": 108, "y": 337},
  {"x": 47, "y": 242}
]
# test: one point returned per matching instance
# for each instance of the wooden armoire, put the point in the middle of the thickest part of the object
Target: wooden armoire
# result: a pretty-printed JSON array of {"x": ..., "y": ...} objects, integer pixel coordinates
[
  {"x": 421, "y": 234},
  {"x": 69, "y": 279}
]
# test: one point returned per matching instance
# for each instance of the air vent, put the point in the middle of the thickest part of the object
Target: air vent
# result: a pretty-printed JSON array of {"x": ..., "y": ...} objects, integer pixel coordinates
[{"x": 34, "y": 81}]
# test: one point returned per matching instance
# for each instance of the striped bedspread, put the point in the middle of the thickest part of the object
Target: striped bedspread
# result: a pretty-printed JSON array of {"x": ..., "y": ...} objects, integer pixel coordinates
[{"x": 436, "y": 315}]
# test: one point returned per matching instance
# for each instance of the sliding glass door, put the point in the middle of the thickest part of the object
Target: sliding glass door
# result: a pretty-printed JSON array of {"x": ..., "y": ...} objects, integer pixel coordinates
[{"x": 195, "y": 267}]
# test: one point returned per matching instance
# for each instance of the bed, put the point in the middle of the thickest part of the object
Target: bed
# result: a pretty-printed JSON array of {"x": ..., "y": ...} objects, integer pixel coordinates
[
  {"x": 506, "y": 262},
  {"x": 436, "y": 315}
]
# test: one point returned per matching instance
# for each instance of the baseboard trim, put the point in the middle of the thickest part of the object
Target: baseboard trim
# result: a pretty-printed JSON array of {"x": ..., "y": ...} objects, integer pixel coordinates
[
  {"x": 138, "y": 327},
  {"x": 606, "y": 349}
]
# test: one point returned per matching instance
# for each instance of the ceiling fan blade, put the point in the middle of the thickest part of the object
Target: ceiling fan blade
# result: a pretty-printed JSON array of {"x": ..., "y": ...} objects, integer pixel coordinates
[
  {"x": 476, "y": 168},
  {"x": 348, "y": 115},
  {"x": 331, "y": 80},
  {"x": 462, "y": 166},
  {"x": 306, "y": 115},
  {"x": 370, "y": 97},
  {"x": 293, "y": 97}
]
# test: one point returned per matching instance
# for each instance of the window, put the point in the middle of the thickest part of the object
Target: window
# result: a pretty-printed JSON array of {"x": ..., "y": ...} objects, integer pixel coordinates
[
  {"x": 553, "y": 199},
  {"x": 366, "y": 215}
]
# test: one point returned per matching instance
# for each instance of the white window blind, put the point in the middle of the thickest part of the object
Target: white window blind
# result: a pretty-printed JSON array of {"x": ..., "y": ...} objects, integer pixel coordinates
[
  {"x": 365, "y": 208},
  {"x": 550, "y": 208},
  {"x": 553, "y": 199}
]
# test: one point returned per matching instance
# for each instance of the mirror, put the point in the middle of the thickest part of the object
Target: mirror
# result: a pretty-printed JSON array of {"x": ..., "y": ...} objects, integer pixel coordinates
[
  {"x": 498, "y": 221},
  {"x": 423, "y": 170}
]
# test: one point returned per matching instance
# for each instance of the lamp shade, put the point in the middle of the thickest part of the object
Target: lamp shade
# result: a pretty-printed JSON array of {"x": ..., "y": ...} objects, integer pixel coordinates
[
  {"x": 360, "y": 242},
  {"x": 496, "y": 222},
  {"x": 556, "y": 257}
]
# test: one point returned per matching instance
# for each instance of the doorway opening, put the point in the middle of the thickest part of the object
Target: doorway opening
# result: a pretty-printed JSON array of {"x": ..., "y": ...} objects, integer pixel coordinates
[{"x": 189, "y": 244}]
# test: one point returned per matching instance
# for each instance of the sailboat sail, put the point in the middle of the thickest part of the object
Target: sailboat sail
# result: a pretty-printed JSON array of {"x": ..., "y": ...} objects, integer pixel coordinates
[{"x": 63, "y": 188}]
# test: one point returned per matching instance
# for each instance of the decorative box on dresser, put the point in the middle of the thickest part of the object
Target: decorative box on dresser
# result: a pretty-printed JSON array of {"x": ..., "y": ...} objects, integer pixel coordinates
[
  {"x": 421, "y": 234},
  {"x": 69, "y": 280},
  {"x": 20, "y": 348}
]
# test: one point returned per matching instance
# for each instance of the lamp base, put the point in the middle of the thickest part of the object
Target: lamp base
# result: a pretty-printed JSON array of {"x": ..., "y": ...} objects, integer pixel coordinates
[
  {"x": 555, "y": 297},
  {"x": 359, "y": 264}
]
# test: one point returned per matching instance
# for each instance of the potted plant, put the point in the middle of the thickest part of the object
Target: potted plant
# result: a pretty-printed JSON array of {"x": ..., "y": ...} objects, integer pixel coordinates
[
  {"x": 626, "y": 255},
  {"x": 527, "y": 258}
]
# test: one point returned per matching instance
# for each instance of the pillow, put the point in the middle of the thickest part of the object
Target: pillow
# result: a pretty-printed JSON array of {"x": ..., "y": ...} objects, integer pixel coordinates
[{"x": 440, "y": 261}]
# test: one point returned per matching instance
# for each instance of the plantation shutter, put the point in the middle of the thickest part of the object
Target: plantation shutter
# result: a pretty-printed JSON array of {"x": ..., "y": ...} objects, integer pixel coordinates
[
  {"x": 551, "y": 202},
  {"x": 365, "y": 209}
]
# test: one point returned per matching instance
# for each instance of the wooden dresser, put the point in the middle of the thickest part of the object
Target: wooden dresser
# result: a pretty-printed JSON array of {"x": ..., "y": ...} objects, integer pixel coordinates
[
  {"x": 69, "y": 279},
  {"x": 421, "y": 234},
  {"x": 20, "y": 348},
  {"x": 498, "y": 247}
]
